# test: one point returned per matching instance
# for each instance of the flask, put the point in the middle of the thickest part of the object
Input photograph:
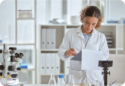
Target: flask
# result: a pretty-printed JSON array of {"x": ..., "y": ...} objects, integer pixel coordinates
[
  {"x": 52, "y": 81},
  {"x": 61, "y": 81}
]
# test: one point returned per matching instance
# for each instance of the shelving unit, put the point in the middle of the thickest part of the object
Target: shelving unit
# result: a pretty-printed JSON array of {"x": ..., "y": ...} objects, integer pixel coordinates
[
  {"x": 59, "y": 31},
  {"x": 22, "y": 31},
  {"x": 115, "y": 30},
  {"x": 28, "y": 48}
]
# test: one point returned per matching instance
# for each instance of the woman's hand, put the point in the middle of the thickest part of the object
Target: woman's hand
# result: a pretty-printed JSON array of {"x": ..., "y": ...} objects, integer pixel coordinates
[{"x": 70, "y": 52}]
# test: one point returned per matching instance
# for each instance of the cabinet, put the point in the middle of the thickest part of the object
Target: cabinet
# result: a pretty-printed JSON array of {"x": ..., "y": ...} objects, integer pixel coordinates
[
  {"x": 116, "y": 31},
  {"x": 24, "y": 38}
]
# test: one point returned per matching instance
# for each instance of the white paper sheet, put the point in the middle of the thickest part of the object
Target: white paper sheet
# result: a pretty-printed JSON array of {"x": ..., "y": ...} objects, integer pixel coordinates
[{"x": 90, "y": 59}]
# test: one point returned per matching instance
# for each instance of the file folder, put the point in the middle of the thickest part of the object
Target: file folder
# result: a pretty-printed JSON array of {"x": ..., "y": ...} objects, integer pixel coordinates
[
  {"x": 43, "y": 41},
  {"x": 43, "y": 56},
  {"x": 48, "y": 71},
  {"x": 53, "y": 36},
  {"x": 67, "y": 65},
  {"x": 57, "y": 64},
  {"x": 53, "y": 63},
  {"x": 48, "y": 37}
]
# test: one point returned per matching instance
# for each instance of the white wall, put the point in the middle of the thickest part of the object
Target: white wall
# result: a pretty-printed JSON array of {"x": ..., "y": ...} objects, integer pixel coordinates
[{"x": 116, "y": 9}]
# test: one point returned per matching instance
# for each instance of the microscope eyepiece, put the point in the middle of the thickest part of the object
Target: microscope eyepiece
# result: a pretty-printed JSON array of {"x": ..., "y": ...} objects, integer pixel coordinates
[
  {"x": 0, "y": 51},
  {"x": 12, "y": 58},
  {"x": 11, "y": 68},
  {"x": 1, "y": 67},
  {"x": 12, "y": 48},
  {"x": 19, "y": 68},
  {"x": 17, "y": 55}
]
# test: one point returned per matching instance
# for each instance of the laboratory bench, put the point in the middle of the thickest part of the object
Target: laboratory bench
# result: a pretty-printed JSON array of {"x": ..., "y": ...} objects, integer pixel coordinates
[{"x": 47, "y": 85}]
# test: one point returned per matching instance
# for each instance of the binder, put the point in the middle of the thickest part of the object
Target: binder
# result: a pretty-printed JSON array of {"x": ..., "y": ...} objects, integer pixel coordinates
[
  {"x": 53, "y": 37},
  {"x": 57, "y": 64},
  {"x": 53, "y": 61},
  {"x": 48, "y": 71},
  {"x": 43, "y": 65},
  {"x": 48, "y": 35},
  {"x": 67, "y": 65},
  {"x": 43, "y": 45}
]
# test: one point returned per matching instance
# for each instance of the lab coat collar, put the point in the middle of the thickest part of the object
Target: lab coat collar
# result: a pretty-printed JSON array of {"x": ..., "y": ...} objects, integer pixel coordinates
[{"x": 79, "y": 31}]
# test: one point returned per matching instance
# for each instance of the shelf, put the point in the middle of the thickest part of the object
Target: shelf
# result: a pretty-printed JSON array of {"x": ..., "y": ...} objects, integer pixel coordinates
[
  {"x": 25, "y": 44},
  {"x": 120, "y": 49},
  {"x": 25, "y": 18},
  {"x": 112, "y": 48},
  {"x": 19, "y": 44},
  {"x": 51, "y": 24},
  {"x": 73, "y": 25},
  {"x": 49, "y": 49},
  {"x": 76, "y": 24},
  {"x": 112, "y": 24},
  {"x": 115, "y": 49},
  {"x": 54, "y": 74},
  {"x": 7, "y": 44}
]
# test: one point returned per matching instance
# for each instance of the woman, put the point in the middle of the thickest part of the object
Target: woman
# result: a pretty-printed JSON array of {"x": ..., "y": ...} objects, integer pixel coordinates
[{"x": 85, "y": 37}]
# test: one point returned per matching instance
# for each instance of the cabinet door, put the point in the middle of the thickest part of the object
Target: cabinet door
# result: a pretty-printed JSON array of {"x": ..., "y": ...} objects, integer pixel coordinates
[
  {"x": 25, "y": 8},
  {"x": 28, "y": 54},
  {"x": 27, "y": 77},
  {"x": 25, "y": 32},
  {"x": 7, "y": 22}
]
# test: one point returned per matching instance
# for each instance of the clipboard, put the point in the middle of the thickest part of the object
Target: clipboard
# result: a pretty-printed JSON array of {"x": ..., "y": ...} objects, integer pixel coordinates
[{"x": 77, "y": 57}]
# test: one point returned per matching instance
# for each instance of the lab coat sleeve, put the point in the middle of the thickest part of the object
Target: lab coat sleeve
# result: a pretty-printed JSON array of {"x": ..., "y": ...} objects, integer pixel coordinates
[
  {"x": 104, "y": 47},
  {"x": 64, "y": 47}
]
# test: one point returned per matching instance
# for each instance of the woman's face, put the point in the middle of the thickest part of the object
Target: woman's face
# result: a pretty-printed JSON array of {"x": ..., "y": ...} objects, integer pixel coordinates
[{"x": 89, "y": 23}]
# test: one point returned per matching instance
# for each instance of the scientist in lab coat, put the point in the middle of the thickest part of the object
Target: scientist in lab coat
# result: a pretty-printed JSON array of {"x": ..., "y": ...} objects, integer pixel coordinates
[{"x": 85, "y": 37}]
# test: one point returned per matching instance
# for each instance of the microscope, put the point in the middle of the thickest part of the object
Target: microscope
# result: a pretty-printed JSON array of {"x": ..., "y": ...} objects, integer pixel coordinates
[{"x": 11, "y": 67}]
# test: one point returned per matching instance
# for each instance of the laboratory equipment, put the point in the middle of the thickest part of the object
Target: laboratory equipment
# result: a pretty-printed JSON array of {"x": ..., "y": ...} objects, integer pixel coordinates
[
  {"x": 105, "y": 65},
  {"x": 114, "y": 21},
  {"x": 110, "y": 84},
  {"x": 10, "y": 65},
  {"x": 57, "y": 21},
  {"x": 52, "y": 81},
  {"x": 61, "y": 81},
  {"x": 109, "y": 41},
  {"x": 75, "y": 19},
  {"x": 99, "y": 83},
  {"x": 25, "y": 13},
  {"x": 71, "y": 81}
]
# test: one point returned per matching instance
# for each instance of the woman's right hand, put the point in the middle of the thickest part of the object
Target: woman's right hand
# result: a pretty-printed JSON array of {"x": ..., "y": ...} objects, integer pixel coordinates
[{"x": 70, "y": 52}]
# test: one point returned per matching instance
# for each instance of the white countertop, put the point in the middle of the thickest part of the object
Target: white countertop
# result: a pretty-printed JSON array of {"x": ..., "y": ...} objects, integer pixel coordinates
[{"x": 47, "y": 85}]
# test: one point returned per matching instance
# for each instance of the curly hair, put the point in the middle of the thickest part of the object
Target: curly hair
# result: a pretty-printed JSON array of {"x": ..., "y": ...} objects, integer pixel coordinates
[{"x": 82, "y": 15}]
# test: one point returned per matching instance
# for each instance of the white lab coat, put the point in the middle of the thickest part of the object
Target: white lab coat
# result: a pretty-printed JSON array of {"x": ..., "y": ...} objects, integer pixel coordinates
[{"x": 75, "y": 39}]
